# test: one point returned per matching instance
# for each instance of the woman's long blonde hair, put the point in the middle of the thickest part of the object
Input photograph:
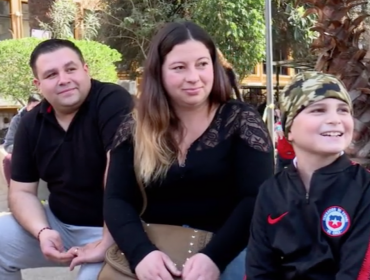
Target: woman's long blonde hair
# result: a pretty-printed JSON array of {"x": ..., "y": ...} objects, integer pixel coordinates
[{"x": 156, "y": 123}]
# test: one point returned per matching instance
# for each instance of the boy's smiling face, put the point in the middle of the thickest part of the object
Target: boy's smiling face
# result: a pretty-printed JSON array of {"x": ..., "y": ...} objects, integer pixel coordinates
[{"x": 323, "y": 128}]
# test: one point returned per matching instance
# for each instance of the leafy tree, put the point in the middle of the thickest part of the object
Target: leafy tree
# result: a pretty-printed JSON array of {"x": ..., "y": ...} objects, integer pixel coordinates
[
  {"x": 16, "y": 75},
  {"x": 67, "y": 15},
  {"x": 237, "y": 27},
  {"x": 128, "y": 26},
  {"x": 291, "y": 29}
]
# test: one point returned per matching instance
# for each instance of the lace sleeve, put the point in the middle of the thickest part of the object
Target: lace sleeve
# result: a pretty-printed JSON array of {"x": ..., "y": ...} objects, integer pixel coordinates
[
  {"x": 253, "y": 130},
  {"x": 124, "y": 131}
]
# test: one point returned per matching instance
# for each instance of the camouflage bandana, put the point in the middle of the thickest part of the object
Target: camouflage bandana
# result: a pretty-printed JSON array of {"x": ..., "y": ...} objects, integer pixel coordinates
[{"x": 305, "y": 89}]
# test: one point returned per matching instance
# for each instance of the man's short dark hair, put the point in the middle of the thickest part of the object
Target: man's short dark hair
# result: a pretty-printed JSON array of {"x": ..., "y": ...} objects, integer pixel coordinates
[
  {"x": 52, "y": 45},
  {"x": 33, "y": 98}
]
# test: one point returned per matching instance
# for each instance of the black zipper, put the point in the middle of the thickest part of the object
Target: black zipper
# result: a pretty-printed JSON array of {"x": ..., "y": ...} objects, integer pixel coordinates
[{"x": 307, "y": 192}]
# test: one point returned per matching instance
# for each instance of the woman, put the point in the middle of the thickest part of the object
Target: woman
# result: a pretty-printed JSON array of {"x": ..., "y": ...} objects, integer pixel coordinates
[{"x": 202, "y": 157}]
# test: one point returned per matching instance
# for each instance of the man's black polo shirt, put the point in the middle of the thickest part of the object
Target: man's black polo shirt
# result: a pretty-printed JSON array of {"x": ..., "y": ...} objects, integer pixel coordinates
[{"x": 73, "y": 162}]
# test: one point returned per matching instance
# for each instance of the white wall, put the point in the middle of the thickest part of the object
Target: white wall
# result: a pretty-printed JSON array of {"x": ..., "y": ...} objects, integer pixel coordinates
[{"x": 129, "y": 85}]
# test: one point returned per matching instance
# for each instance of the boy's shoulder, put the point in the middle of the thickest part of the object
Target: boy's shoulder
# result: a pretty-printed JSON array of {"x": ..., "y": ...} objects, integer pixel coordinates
[
  {"x": 360, "y": 174},
  {"x": 274, "y": 193},
  {"x": 273, "y": 185}
]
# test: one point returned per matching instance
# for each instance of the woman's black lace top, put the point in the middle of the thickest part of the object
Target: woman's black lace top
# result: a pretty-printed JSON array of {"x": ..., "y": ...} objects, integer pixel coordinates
[{"x": 214, "y": 190}]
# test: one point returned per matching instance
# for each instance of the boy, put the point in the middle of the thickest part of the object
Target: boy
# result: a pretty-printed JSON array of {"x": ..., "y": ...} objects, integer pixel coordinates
[{"x": 311, "y": 220}]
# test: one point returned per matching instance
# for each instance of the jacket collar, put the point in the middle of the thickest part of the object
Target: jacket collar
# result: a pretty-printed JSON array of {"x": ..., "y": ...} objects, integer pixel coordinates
[
  {"x": 339, "y": 165},
  {"x": 295, "y": 159}
]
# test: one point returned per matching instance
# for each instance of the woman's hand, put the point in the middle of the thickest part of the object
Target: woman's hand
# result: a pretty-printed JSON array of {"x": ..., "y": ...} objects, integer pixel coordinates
[
  {"x": 90, "y": 253},
  {"x": 156, "y": 265},
  {"x": 200, "y": 267}
]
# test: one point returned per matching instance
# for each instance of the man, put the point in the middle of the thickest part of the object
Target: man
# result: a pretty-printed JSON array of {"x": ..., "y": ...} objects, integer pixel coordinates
[
  {"x": 9, "y": 137},
  {"x": 64, "y": 141},
  {"x": 32, "y": 102}
]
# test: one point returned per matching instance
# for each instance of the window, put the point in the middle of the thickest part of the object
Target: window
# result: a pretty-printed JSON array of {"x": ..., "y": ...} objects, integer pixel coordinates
[
  {"x": 5, "y": 22},
  {"x": 254, "y": 70},
  {"x": 26, "y": 20},
  {"x": 278, "y": 55}
]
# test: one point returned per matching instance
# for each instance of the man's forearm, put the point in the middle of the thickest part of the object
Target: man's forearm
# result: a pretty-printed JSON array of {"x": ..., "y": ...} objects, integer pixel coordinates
[{"x": 28, "y": 211}]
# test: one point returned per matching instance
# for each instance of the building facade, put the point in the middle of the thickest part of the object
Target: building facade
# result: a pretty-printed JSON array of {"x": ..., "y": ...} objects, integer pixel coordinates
[
  {"x": 19, "y": 17},
  {"x": 14, "y": 23},
  {"x": 14, "y": 19}
]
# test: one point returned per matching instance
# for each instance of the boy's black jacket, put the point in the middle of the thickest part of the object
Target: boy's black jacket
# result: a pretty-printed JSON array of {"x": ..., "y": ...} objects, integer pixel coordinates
[{"x": 320, "y": 235}]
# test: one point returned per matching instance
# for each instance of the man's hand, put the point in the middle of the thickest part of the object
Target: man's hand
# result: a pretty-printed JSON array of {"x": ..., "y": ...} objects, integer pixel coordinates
[
  {"x": 156, "y": 265},
  {"x": 52, "y": 247},
  {"x": 90, "y": 253},
  {"x": 200, "y": 267}
]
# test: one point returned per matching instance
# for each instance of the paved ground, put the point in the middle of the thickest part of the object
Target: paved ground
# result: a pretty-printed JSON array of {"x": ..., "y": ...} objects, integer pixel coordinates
[{"x": 41, "y": 273}]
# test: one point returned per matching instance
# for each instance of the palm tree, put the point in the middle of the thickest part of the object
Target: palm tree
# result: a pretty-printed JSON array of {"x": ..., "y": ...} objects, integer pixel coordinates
[{"x": 340, "y": 53}]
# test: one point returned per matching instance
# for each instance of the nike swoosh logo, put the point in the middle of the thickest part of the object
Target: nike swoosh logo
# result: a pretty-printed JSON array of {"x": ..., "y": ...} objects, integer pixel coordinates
[{"x": 272, "y": 221}]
